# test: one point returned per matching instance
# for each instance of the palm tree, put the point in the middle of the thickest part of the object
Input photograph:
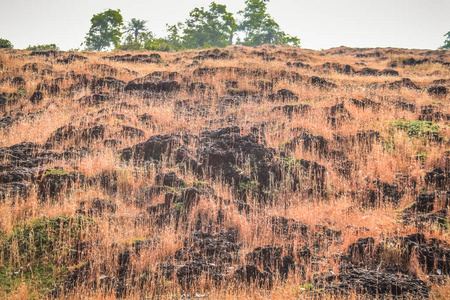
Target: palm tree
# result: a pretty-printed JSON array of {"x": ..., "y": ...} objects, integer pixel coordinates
[{"x": 135, "y": 27}]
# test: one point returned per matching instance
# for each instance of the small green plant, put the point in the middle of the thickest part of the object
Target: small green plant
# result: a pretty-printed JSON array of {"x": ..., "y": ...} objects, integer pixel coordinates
[
  {"x": 307, "y": 288},
  {"x": 249, "y": 187},
  {"x": 59, "y": 172},
  {"x": 21, "y": 92},
  {"x": 422, "y": 156},
  {"x": 199, "y": 184},
  {"x": 179, "y": 207},
  {"x": 444, "y": 223},
  {"x": 419, "y": 129},
  {"x": 239, "y": 170}
]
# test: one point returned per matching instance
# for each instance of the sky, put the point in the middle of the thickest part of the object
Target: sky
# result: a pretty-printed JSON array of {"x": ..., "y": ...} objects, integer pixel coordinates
[{"x": 320, "y": 24}]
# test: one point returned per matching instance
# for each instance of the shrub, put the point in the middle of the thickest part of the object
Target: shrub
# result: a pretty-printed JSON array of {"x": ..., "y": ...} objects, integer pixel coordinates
[
  {"x": 43, "y": 47},
  {"x": 38, "y": 253},
  {"x": 4, "y": 43},
  {"x": 159, "y": 45},
  {"x": 419, "y": 129}
]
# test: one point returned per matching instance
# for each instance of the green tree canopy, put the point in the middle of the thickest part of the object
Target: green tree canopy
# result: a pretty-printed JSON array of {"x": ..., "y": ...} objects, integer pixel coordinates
[
  {"x": 4, "y": 43},
  {"x": 259, "y": 27},
  {"x": 214, "y": 27},
  {"x": 136, "y": 27},
  {"x": 105, "y": 30},
  {"x": 447, "y": 41}
]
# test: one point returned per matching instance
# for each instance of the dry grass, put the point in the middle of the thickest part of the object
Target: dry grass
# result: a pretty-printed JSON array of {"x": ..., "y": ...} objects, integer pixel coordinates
[{"x": 341, "y": 209}]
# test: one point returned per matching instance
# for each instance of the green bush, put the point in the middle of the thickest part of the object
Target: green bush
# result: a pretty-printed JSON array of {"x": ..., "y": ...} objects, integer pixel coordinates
[
  {"x": 159, "y": 45},
  {"x": 38, "y": 253},
  {"x": 130, "y": 46},
  {"x": 419, "y": 129},
  {"x": 42, "y": 47},
  {"x": 4, "y": 43},
  {"x": 44, "y": 238}
]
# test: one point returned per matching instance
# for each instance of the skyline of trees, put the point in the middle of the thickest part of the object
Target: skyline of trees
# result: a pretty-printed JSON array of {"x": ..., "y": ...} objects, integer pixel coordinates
[{"x": 213, "y": 26}]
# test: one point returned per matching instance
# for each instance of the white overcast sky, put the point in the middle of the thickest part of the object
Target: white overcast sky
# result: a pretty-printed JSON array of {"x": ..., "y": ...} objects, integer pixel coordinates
[{"x": 320, "y": 24}]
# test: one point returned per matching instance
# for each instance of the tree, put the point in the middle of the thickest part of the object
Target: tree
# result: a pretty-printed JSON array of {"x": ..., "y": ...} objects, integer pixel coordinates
[
  {"x": 172, "y": 42},
  {"x": 105, "y": 30},
  {"x": 447, "y": 41},
  {"x": 130, "y": 43},
  {"x": 174, "y": 37},
  {"x": 260, "y": 28},
  {"x": 4, "y": 43},
  {"x": 136, "y": 27},
  {"x": 214, "y": 27}
]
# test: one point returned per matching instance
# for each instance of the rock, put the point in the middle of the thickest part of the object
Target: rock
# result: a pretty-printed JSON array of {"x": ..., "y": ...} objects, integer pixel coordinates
[
  {"x": 61, "y": 135},
  {"x": 155, "y": 87},
  {"x": 37, "y": 97},
  {"x": 384, "y": 192},
  {"x": 429, "y": 113},
  {"x": 299, "y": 64},
  {"x": 95, "y": 99},
  {"x": 376, "y": 284},
  {"x": 93, "y": 133},
  {"x": 438, "y": 90},
  {"x": 46, "y": 53},
  {"x": 104, "y": 69},
  {"x": 71, "y": 58},
  {"x": 204, "y": 254},
  {"x": 140, "y": 58},
  {"x": 251, "y": 275},
  {"x": 290, "y": 110},
  {"x": 111, "y": 83},
  {"x": 322, "y": 83},
  {"x": 52, "y": 88},
  {"x": 153, "y": 148},
  {"x": 169, "y": 179},
  {"x": 366, "y": 103},
  {"x": 362, "y": 249},
  {"x": 97, "y": 207},
  {"x": 220, "y": 153},
  {"x": 146, "y": 119},
  {"x": 55, "y": 181},
  {"x": 283, "y": 95},
  {"x": 404, "y": 83},
  {"x": 288, "y": 227},
  {"x": 404, "y": 106},
  {"x": 131, "y": 132},
  {"x": 438, "y": 178},
  {"x": 388, "y": 72},
  {"x": 423, "y": 204},
  {"x": 272, "y": 259},
  {"x": 309, "y": 142},
  {"x": 368, "y": 72}
]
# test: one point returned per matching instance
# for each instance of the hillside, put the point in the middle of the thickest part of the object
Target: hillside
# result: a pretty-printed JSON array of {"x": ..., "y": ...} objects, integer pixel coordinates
[{"x": 257, "y": 173}]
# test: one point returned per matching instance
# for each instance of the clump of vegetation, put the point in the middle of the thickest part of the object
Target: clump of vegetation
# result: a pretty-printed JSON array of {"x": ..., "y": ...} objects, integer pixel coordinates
[
  {"x": 44, "y": 238},
  {"x": 105, "y": 30},
  {"x": 447, "y": 41},
  {"x": 205, "y": 28},
  {"x": 59, "y": 172},
  {"x": 43, "y": 47},
  {"x": 419, "y": 129},
  {"x": 38, "y": 253},
  {"x": 4, "y": 43}
]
